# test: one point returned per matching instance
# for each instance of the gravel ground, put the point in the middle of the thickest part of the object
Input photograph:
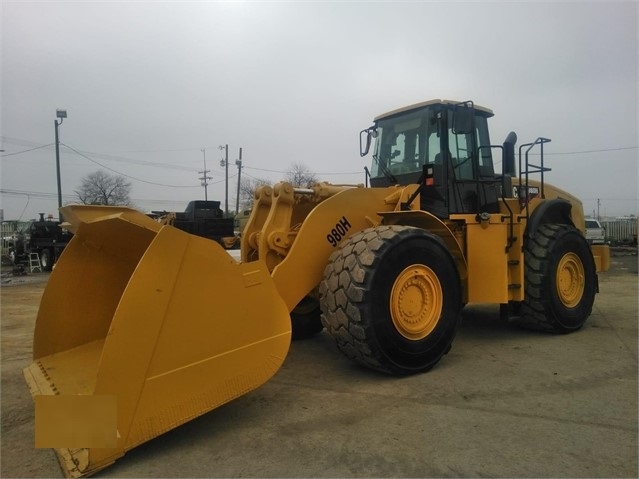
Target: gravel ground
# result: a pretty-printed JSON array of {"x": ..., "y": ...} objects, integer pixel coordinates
[{"x": 503, "y": 403}]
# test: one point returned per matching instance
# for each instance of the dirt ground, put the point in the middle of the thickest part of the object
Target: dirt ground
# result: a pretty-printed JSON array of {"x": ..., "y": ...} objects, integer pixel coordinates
[{"x": 503, "y": 403}]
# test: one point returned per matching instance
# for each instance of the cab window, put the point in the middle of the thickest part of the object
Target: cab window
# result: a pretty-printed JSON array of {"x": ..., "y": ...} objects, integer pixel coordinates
[{"x": 466, "y": 163}]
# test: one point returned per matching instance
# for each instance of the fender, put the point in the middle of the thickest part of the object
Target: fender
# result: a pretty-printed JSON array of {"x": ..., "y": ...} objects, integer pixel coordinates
[
  {"x": 431, "y": 223},
  {"x": 551, "y": 211}
]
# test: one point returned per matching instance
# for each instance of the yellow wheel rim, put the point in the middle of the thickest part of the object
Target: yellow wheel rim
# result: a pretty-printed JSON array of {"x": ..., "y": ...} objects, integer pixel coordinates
[
  {"x": 416, "y": 302},
  {"x": 570, "y": 280}
]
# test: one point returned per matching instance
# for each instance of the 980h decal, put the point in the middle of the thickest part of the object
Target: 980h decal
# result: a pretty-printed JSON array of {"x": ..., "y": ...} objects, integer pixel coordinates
[{"x": 338, "y": 232}]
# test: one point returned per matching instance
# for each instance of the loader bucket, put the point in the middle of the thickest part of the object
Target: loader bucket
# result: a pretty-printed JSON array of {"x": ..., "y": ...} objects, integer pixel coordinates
[{"x": 154, "y": 323}]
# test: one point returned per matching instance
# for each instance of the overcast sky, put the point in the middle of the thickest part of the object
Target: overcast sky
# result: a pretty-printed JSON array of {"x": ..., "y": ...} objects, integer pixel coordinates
[{"x": 148, "y": 85}]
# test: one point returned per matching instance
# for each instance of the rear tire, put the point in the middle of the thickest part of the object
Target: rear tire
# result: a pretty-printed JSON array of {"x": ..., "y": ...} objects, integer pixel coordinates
[
  {"x": 560, "y": 280},
  {"x": 391, "y": 299}
]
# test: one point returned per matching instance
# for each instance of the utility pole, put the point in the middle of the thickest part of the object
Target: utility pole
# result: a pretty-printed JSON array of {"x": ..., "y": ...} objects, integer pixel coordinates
[
  {"x": 204, "y": 178},
  {"x": 225, "y": 163},
  {"x": 598, "y": 205},
  {"x": 239, "y": 176}
]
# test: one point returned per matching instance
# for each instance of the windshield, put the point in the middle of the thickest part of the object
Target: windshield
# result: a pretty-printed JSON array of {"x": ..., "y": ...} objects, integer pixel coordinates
[{"x": 405, "y": 143}]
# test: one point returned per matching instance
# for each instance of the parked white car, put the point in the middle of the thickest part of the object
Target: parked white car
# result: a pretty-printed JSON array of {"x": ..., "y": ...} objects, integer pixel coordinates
[{"x": 595, "y": 233}]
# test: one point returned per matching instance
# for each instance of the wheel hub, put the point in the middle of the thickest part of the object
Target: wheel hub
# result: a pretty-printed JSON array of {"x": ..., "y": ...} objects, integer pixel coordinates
[
  {"x": 570, "y": 280},
  {"x": 416, "y": 302}
]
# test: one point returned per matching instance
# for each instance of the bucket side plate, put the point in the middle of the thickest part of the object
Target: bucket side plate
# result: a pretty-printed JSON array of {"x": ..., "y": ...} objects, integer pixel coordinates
[{"x": 165, "y": 321}]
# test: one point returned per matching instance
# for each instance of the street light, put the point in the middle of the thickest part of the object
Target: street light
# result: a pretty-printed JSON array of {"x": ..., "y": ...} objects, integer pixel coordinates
[{"x": 62, "y": 114}]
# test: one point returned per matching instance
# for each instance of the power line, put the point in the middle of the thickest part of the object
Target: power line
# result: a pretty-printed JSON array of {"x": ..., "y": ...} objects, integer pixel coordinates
[
  {"x": 122, "y": 159},
  {"x": 251, "y": 176},
  {"x": 168, "y": 150},
  {"x": 593, "y": 151},
  {"x": 45, "y": 195},
  {"x": 124, "y": 174},
  {"x": 26, "y": 151},
  {"x": 35, "y": 194},
  {"x": 107, "y": 156},
  {"x": 110, "y": 157},
  {"x": 546, "y": 153},
  {"x": 20, "y": 141},
  {"x": 319, "y": 174},
  {"x": 607, "y": 199}
]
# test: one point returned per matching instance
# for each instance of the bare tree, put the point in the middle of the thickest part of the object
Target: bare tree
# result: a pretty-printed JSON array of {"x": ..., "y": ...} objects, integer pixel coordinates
[
  {"x": 300, "y": 175},
  {"x": 102, "y": 188},
  {"x": 247, "y": 190}
]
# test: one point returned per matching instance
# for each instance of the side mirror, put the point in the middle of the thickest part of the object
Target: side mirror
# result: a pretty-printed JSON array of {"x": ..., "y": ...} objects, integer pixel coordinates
[
  {"x": 463, "y": 119},
  {"x": 365, "y": 144}
]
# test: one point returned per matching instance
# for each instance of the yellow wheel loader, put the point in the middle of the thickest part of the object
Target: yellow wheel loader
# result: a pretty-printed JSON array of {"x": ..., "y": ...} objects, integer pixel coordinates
[{"x": 143, "y": 327}]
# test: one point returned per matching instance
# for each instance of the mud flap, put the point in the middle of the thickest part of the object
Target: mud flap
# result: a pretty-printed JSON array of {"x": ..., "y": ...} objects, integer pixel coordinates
[
  {"x": 601, "y": 255},
  {"x": 166, "y": 322}
]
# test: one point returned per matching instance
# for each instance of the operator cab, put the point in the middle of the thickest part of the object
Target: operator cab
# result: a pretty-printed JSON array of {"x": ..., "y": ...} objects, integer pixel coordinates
[{"x": 444, "y": 146}]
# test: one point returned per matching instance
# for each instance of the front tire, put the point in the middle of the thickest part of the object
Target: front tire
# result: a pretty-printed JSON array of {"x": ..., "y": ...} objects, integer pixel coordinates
[
  {"x": 560, "y": 280},
  {"x": 391, "y": 299}
]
